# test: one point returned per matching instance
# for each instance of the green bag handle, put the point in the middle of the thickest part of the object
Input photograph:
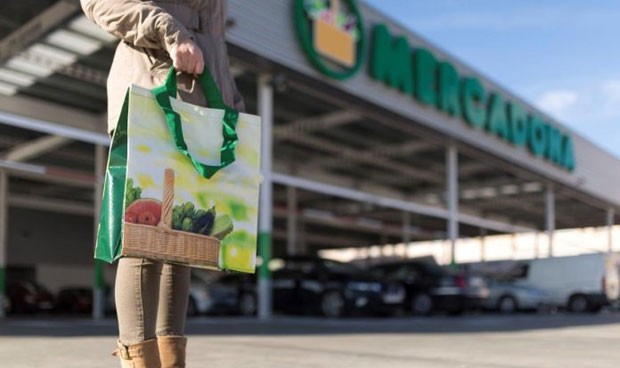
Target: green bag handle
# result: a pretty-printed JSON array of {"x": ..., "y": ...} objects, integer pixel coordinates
[{"x": 214, "y": 99}]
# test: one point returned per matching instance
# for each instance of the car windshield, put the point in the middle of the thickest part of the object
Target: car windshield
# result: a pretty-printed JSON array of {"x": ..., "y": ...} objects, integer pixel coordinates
[
  {"x": 339, "y": 267},
  {"x": 433, "y": 269}
]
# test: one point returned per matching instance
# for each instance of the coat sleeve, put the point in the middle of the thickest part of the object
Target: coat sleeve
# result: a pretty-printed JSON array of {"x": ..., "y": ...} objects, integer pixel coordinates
[{"x": 139, "y": 23}]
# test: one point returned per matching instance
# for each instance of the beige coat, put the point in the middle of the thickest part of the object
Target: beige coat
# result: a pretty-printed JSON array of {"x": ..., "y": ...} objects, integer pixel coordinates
[{"x": 148, "y": 30}]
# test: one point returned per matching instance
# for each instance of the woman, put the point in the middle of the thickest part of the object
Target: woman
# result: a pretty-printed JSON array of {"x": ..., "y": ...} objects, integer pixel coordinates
[{"x": 151, "y": 297}]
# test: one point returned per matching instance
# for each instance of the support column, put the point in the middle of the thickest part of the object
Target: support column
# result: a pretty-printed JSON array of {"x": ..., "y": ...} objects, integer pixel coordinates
[
  {"x": 452, "y": 196},
  {"x": 291, "y": 221},
  {"x": 406, "y": 233},
  {"x": 406, "y": 224},
  {"x": 483, "y": 249},
  {"x": 611, "y": 214},
  {"x": 98, "y": 310},
  {"x": 4, "y": 225},
  {"x": 537, "y": 245},
  {"x": 302, "y": 241},
  {"x": 265, "y": 221},
  {"x": 550, "y": 211}
]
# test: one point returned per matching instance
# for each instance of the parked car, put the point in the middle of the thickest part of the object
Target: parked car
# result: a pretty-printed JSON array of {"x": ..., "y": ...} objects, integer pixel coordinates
[
  {"x": 28, "y": 297},
  {"x": 583, "y": 283},
  {"x": 507, "y": 298},
  {"x": 431, "y": 288},
  {"x": 199, "y": 300},
  {"x": 331, "y": 288},
  {"x": 310, "y": 285},
  {"x": 233, "y": 293},
  {"x": 74, "y": 300}
]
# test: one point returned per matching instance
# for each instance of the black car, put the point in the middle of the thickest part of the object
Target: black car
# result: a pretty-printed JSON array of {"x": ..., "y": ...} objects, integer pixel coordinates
[
  {"x": 312, "y": 285},
  {"x": 430, "y": 287},
  {"x": 28, "y": 297},
  {"x": 75, "y": 300}
]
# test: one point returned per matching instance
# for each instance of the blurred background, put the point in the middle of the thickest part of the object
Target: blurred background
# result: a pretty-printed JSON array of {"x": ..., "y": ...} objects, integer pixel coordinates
[{"x": 421, "y": 158}]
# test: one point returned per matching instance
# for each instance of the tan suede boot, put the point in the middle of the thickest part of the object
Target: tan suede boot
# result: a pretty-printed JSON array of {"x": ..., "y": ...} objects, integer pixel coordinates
[
  {"x": 172, "y": 351},
  {"x": 141, "y": 355}
]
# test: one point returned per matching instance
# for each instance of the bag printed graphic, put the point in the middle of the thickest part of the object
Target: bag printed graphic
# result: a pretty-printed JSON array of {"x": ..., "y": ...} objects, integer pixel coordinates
[{"x": 182, "y": 181}]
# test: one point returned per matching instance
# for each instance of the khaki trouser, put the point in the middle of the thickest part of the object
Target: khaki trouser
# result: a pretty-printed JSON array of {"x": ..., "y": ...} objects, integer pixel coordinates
[{"x": 151, "y": 299}]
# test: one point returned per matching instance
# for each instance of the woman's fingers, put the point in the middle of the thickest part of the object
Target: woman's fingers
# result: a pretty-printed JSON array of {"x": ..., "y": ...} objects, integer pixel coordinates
[
  {"x": 187, "y": 57},
  {"x": 200, "y": 65}
]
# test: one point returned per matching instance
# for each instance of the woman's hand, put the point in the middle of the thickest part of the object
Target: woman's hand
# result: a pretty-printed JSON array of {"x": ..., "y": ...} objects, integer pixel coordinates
[{"x": 187, "y": 57}]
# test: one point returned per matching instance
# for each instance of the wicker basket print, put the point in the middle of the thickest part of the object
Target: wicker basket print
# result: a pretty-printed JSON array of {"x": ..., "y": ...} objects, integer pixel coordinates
[
  {"x": 161, "y": 241},
  {"x": 331, "y": 40}
]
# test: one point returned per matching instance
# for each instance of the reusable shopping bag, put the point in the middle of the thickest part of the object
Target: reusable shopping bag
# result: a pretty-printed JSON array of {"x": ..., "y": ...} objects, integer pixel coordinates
[{"x": 182, "y": 181}]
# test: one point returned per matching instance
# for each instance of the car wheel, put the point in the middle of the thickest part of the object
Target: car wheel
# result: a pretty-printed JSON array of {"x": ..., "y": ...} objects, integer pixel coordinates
[
  {"x": 421, "y": 304},
  {"x": 192, "y": 310},
  {"x": 332, "y": 304},
  {"x": 578, "y": 304},
  {"x": 247, "y": 304},
  {"x": 507, "y": 305}
]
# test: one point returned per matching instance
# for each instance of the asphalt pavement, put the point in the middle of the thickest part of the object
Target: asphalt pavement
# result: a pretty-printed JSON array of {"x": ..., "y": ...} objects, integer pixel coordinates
[{"x": 481, "y": 341}]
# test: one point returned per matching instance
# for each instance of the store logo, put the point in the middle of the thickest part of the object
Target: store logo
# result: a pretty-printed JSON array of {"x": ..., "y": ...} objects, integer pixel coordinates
[{"x": 332, "y": 35}]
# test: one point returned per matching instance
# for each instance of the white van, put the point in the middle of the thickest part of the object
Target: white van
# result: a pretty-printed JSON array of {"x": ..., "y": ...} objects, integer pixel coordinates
[{"x": 580, "y": 283}]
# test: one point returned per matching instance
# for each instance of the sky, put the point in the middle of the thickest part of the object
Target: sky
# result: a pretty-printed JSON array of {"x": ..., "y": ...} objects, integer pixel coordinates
[{"x": 562, "y": 56}]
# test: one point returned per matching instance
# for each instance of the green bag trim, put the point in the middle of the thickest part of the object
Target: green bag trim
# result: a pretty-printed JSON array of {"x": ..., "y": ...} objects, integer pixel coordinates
[
  {"x": 109, "y": 235},
  {"x": 214, "y": 99}
]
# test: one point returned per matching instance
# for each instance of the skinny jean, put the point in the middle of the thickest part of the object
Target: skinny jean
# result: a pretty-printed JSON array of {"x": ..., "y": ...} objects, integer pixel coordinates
[{"x": 151, "y": 299}]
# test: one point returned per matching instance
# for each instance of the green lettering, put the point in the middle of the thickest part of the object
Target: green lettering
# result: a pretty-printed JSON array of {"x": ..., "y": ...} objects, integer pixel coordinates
[
  {"x": 448, "y": 89},
  {"x": 425, "y": 76},
  {"x": 518, "y": 124},
  {"x": 473, "y": 98},
  {"x": 568, "y": 155},
  {"x": 497, "y": 121},
  {"x": 391, "y": 60},
  {"x": 554, "y": 149},
  {"x": 537, "y": 136}
]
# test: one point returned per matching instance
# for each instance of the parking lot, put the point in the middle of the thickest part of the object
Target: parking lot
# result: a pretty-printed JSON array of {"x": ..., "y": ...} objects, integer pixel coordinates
[{"x": 524, "y": 340}]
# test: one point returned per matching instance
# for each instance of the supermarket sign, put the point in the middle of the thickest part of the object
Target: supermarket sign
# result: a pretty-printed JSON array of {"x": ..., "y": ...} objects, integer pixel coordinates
[{"x": 332, "y": 35}]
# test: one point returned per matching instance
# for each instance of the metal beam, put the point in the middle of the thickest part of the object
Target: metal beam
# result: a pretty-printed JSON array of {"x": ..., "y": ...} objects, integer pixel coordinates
[
  {"x": 74, "y": 155},
  {"x": 38, "y": 109},
  {"x": 401, "y": 170},
  {"x": 35, "y": 148},
  {"x": 473, "y": 168},
  {"x": 316, "y": 123},
  {"x": 317, "y": 239},
  {"x": 467, "y": 213},
  {"x": 36, "y": 28},
  {"x": 361, "y": 224},
  {"x": 51, "y": 205},
  {"x": 501, "y": 186},
  {"x": 394, "y": 203},
  {"x": 62, "y": 130},
  {"x": 48, "y": 174},
  {"x": 390, "y": 151}
]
